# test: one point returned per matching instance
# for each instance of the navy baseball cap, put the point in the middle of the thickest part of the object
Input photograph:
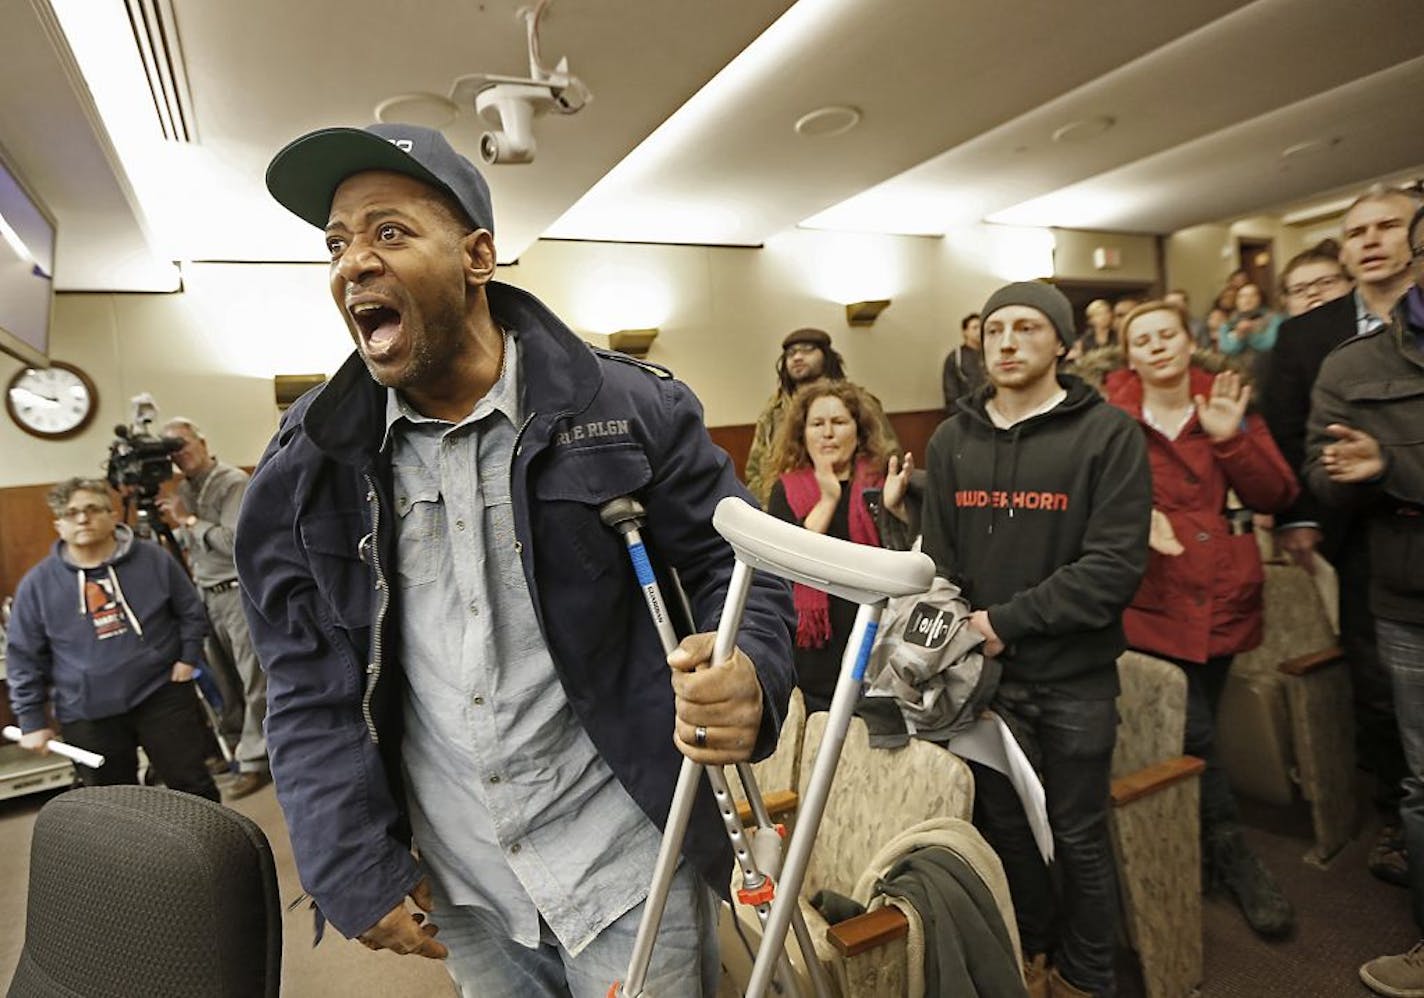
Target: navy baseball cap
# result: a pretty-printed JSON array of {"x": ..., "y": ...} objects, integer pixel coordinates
[{"x": 304, "y": 176}]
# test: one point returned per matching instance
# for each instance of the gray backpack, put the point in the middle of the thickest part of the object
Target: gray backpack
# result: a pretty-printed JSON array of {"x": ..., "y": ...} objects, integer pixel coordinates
[{"x": 926, "y": 659}]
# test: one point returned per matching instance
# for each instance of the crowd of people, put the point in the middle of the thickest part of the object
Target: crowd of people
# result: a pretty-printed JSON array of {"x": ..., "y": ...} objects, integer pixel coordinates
[
  {"x": 471, "y": 724},
  {"x": 1224, "y": 425}
]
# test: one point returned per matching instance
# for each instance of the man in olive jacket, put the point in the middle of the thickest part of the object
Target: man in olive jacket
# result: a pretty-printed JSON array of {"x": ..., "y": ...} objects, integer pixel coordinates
[{"x": 1365, "y": 448}]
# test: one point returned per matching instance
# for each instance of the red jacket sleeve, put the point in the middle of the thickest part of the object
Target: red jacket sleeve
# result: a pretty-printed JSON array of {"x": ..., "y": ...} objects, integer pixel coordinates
[{"x": 1255, "y": 469}]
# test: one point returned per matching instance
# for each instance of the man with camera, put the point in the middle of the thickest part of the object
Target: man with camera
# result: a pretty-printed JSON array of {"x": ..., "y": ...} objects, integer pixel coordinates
[
  {"x": 203, "y": 511},
  {"x": 457, "y": 651},
  {"x": 107, "y": 630}
]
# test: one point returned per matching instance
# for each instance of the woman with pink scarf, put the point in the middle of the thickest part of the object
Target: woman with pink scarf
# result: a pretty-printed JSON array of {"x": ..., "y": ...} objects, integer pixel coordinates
[{"x": 828, "y": 452}]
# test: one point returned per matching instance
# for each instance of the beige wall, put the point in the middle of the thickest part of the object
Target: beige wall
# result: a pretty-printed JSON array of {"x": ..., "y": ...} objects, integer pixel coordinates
[
  {"x": 1201, "y": 258},
  {"x": 210, "y": 352},
  {"x": 1073, "y": 256}
]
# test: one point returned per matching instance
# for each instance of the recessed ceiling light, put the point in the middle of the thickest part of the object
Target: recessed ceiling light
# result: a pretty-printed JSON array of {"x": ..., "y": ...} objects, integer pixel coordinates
[
  {"x": 1309, "y": 147},
  {"x": 835, "y": 120},
  {"x": 1084, "y": 129},
  {"x": 429, "y": 110}
]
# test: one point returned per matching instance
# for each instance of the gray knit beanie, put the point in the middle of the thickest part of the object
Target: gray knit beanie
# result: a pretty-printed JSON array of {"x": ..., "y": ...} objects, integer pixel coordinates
[{"x": 1035, "y": 294}]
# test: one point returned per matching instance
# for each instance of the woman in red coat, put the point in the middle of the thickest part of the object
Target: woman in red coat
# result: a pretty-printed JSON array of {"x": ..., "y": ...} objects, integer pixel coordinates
[{"x": 1200, "y": 601}]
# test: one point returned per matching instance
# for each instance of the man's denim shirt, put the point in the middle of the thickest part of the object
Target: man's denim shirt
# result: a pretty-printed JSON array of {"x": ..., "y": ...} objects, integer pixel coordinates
[{"x": 505, "y": 784}]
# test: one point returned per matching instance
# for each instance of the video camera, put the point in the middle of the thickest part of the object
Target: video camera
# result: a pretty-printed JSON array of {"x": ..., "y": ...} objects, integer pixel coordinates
[{"x": 140, "y": 461}]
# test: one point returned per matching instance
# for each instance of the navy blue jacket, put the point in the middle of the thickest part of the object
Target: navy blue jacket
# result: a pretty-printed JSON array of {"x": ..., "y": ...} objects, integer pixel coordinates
[
  {"x": 315, "y": 547},
  {"x": 54, "y": 651}
]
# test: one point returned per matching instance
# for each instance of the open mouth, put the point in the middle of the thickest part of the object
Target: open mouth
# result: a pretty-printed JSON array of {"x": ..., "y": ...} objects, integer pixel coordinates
[{"x": 379, "y": 325}]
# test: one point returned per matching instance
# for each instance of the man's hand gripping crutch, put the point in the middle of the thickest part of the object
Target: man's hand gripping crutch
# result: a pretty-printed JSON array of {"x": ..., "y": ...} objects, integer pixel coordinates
[
  {"x": 759, "y": 861},
  {"x": 867, "y": 576}
]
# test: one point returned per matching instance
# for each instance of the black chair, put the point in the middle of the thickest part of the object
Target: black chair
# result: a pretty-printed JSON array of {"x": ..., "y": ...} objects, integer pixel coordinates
[{"x": 141, "y": 891}]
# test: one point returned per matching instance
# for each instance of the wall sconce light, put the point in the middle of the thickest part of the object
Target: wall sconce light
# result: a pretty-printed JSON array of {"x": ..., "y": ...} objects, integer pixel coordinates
[
  {"x": 864, "y": 313},
  {"x": 290, "y": 387},
  {"x": 633, "y": 342}
]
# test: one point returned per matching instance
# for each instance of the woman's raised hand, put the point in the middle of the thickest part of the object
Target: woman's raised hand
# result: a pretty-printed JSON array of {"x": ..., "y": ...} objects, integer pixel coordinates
[
  {"x": 897, "y": 485},
  {"x": 826, "y": 478},
  {"x": 1221, "y": 414}
]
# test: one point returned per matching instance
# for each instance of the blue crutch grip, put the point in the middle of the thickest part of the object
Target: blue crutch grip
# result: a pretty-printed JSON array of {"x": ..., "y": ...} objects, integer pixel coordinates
[{"x": 862, "y": 657}]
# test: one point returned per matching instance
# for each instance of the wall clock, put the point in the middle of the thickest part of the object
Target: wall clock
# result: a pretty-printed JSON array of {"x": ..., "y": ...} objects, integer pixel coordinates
[{"x": 53, "y": 402}]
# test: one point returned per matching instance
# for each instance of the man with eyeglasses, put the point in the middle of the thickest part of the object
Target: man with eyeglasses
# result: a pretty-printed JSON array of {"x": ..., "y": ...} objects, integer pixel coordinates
[
  {"x": 1365, "y": 451},
  {"x": 1312, "y": 278},
  {"x": 1375, "y": 252},
  {"x": 106, "y": 632},
  {"x": 806, "y": 356}
]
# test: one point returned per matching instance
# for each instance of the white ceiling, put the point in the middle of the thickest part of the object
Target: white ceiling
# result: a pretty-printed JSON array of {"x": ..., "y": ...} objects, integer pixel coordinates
[{"x": 689, "y": 137}]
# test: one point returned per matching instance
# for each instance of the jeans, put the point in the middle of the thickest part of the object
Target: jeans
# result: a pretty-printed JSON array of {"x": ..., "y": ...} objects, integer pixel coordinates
[
  {"x": 168, "y": 727},
  {"x": 1205, "y": 683},
  {"x": 1377, "y": 743},
  {"x": 1071, "y": 742},
  {"x": 485, "y": 963},
  {"x": 1401, "y": 649}
]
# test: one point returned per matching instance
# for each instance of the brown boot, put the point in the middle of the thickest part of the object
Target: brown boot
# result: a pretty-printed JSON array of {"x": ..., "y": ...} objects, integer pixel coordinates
[
  {"x": 1035, "y": 972},
  {"x": 1059, "y": 988},
  {"x": 247, "y": 784}
]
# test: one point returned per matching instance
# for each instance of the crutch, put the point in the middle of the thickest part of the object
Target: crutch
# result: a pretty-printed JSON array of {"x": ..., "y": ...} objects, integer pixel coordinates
[
  {"x": 864, "y": 575},
  {"x": 759, "y": 863},
  {"x": 214, "y": 723},
  {"x": 73, "y": 753}
]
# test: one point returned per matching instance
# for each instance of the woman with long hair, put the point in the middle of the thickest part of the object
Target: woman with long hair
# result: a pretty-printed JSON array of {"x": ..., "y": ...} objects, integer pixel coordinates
[
  {"x": 829, "y": 450},
  {"x": 1200, "y": 602}
]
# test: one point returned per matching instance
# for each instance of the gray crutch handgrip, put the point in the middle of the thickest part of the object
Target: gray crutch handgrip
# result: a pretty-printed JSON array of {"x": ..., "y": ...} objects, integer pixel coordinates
[{"x": 855, "y": 572}]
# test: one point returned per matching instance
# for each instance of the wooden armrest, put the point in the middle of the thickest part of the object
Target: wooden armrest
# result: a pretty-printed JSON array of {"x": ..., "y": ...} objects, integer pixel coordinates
[
  {"x": 863, "y": 932},
  {"x": 1149, "y": 780},
  {"x": 778, "y": 803},
  {"x": 1306, "y": 664}
]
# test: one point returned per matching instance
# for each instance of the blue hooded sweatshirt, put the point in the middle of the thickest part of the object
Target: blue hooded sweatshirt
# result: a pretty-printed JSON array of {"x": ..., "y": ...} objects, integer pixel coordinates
[{"x": 102, "y": 639}]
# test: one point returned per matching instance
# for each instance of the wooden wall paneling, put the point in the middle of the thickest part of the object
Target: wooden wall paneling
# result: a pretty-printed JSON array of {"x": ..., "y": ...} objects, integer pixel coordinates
[
  {"x": 26, "y": 532},
  {"x": 736, "y": 441},
  {"x": 915, "y": 429}
]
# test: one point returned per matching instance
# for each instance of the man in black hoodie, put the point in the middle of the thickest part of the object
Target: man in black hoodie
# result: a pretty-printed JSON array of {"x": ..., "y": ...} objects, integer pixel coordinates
[{"x": 1038, "y": 502}]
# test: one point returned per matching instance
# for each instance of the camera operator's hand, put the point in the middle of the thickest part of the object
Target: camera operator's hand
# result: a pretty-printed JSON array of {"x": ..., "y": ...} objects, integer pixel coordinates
[
  {"x": 175, "y": 509},
  {"x": 182, "y": 672}
]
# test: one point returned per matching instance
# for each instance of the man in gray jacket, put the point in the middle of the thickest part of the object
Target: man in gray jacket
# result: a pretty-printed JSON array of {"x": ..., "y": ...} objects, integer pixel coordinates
[
  {"x": 204, "y": 515},
  {"x": 1364, "y": 449}
]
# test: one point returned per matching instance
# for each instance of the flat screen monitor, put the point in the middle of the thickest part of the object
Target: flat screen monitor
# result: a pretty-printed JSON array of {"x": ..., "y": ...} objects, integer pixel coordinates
[{"x": 26, "y": 270}]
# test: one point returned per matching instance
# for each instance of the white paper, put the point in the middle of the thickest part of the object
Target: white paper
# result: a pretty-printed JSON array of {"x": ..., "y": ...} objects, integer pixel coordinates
[{"x": 990, "y": 743}]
